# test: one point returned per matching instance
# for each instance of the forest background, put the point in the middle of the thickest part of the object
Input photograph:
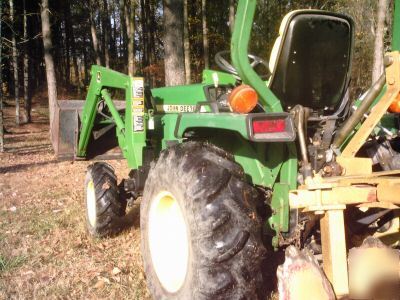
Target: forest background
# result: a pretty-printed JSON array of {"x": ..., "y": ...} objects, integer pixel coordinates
[
  {"x": 168, "y": 42},
  {"x": 47, "y": 48}
]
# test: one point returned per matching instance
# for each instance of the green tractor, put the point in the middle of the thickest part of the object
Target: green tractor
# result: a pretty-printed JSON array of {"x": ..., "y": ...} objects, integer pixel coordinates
[{"x": 244, "y": 164}]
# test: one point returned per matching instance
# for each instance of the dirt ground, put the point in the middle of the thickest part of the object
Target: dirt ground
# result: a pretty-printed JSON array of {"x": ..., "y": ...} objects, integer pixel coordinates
[{"x": 44, "y": 249}]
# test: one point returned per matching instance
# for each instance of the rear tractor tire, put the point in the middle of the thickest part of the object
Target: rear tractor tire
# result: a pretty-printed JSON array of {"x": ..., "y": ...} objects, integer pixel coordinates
[
  {"x": 200, "y": 232},
  {"x": 104, "y": 208}
]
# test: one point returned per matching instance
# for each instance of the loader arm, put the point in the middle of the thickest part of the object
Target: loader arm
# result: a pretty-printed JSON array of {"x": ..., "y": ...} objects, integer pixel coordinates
[{"x": 132, "y": 141}]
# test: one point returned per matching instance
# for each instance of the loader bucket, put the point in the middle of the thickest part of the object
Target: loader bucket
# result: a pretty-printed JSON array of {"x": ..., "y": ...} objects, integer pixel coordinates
[
  {"x": 65, "y": 128},
  {"x": 65, "y": 133}
]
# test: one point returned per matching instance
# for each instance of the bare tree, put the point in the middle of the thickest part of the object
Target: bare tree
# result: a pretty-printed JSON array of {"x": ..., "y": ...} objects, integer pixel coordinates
[
  {"x": 173, "y": 42},
  {"x": 48, "y": 58},
  {"x": 186, "y": 41},
  {"x": 231, "y": 14},
  {"x": 67, "y": 32},
  {"x": 27, "y": 98},
  {"x": 205, "y": 34},
  {"x": 106, "y": 26},
  {"x": 123, "y": 34},
  {"x": 1, "y": 84},
  {"x": 377, "y": 68},
  {"x": 71, "y": 37},
  {"x": 145, "y": 33},
  {"x": 129, "y": 12},
  {"x": 95, "y": 41},
  {"x": 15, "y": 63}
]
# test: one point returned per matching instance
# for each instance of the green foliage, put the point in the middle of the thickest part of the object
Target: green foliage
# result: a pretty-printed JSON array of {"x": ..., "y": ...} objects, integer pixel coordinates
[{"x": 8, "y": 263}]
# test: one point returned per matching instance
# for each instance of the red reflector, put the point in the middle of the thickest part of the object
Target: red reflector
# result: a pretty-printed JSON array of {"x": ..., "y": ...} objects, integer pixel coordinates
[{"x": 269, "y": 126}]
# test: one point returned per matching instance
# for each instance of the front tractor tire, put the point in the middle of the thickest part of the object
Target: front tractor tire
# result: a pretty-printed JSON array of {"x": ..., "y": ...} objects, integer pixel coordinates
[
  {"x": 104, "y": 207},
  {"x": 200, "y": 232}
]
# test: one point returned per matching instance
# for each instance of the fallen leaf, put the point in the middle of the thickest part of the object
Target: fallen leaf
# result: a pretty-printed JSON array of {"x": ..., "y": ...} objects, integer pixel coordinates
[
  {"x": 115, "y": 271},
  {"x": 30, "y": 272},
  {"x": 105, "y": 279},
  {"x": 99, "y": 284}
]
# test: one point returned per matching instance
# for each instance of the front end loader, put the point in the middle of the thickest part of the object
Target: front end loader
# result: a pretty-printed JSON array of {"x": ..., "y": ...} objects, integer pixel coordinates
[{"x": 243, "y": 164}]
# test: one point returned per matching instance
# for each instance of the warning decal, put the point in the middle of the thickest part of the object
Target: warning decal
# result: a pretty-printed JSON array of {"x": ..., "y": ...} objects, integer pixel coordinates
[{"x": 138, "y": 104}]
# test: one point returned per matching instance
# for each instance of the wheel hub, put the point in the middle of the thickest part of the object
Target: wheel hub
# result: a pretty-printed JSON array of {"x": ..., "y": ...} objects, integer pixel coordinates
[
  {"x": 168, "y": 241},
  {"x": 91, "y": 203}
]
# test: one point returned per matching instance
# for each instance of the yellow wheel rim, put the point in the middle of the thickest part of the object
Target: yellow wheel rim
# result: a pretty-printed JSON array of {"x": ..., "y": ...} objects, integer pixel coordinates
[
  {"x": 168, "y": 241},
  {"x": 91, "y": 203}
]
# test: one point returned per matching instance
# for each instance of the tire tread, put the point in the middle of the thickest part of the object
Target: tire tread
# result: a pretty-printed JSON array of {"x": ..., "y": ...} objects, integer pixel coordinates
[
  {"x": 110, "y": 208},
  {"x": 223, "y": 212}
]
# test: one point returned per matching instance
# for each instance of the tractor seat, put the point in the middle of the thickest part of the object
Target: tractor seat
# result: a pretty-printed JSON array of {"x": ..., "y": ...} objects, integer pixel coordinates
[{"x": 310, "y": 61}]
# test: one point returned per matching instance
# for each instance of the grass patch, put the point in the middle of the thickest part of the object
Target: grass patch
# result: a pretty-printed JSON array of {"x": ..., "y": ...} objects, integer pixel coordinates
[
  {"x": 6, "y": 264},
  {"x": 55, "y": 194},
  {"x": 42, "y": 227}
]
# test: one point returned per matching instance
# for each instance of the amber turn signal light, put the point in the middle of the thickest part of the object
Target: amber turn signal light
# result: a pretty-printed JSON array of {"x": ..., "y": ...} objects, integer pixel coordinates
[
  {"x": 395, "y": 106},
  {"x": 243, "y": 99}
]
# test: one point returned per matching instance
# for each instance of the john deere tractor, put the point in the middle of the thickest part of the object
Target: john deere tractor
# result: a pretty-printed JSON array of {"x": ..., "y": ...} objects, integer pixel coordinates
[{"x": 243, "y": 164}]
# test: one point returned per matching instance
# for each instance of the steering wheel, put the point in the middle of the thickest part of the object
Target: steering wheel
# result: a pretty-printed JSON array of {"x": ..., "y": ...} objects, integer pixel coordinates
[{"x": 226, "y": 66}]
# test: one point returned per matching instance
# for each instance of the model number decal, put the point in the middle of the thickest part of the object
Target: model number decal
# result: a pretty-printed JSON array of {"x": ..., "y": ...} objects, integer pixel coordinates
[{"x": 176, "y": 108}]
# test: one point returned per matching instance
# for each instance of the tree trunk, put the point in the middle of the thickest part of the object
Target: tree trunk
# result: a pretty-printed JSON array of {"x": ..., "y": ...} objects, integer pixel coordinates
[
  {"x": 27, "y": 98},
  {"x": 377, "y": 68},
  {"x": 231, "y": 14},
  {"x": 114, "y": 35},
  {"x": 15, "y": 63},
  {"x": 50, "y": 71},
  {"x": 144, "y": 42},
  {"x": 186, "y": 41},
  {"x": 67, "y": 27},
  {"x": 153, "y": 29},
  {"x": 124, "y": 35},
  {"x": 149, "y": 33},
  {"x": 173, "y": 42},
  {"x": 70, "y": 28},
  {"x": 106, "y": 33},
  {"x": 152, "y": 25},
  {"x": 205, "y": 34},
  {"x": 58, "y": 40},
  {"x": 95, "y": 41},
  {"x": 86, "y": 68},
  {"x": 129, "y": 11},
  {"x": 1, "y": 85}
]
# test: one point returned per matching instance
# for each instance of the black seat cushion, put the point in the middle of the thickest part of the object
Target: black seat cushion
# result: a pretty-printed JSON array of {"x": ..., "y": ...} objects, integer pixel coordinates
[{"x": 314, "y": 60}]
